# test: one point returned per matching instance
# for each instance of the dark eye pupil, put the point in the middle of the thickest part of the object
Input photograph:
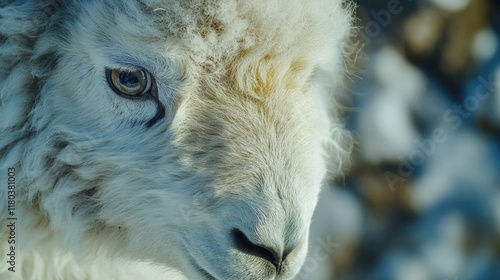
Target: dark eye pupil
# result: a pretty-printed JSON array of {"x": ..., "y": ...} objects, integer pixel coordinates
[{"x": 129, "y": 79}]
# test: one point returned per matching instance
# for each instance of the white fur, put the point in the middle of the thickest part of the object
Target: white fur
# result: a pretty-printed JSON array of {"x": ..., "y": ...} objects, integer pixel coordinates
[{"x": 246, "y": 87}]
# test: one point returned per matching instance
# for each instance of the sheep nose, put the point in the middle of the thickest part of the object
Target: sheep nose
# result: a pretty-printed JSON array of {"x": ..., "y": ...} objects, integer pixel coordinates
[{"x": 245, "y": 245}]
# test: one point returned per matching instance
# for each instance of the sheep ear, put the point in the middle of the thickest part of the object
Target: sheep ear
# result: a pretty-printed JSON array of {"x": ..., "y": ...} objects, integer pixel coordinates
[{"x": 21, "y": 17}]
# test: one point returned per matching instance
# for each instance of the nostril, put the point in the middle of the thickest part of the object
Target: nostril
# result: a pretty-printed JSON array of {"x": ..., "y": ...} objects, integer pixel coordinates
[{"x": 245, "y": 245}]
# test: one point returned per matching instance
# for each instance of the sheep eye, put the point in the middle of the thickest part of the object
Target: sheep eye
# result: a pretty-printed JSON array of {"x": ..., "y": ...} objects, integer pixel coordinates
[
  {"x": 136, "y": 83},
  {"x": 129, "y": 82}
]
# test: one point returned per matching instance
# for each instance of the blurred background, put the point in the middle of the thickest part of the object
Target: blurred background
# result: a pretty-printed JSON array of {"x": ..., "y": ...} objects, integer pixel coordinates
[{"x": 422, "y": 197}]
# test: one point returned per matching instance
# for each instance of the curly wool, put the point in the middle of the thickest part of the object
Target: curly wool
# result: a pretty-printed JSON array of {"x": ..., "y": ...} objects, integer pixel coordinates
[{"x": 247, "y": 88}]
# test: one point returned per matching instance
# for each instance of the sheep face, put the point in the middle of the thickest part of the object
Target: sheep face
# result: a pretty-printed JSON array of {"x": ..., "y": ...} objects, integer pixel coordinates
[{"x": 178, "y": 133}]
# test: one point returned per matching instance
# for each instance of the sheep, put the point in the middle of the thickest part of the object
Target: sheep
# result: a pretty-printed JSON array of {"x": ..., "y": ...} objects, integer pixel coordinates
[{"x": 166, "y": 139}]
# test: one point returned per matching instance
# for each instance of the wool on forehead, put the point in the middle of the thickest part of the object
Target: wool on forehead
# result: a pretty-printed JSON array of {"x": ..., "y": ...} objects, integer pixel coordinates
[{"x": 262, "y": 45}]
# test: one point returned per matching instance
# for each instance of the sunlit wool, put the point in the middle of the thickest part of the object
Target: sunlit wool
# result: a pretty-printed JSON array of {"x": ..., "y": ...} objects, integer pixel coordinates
[{"x": 248, "y": 89}]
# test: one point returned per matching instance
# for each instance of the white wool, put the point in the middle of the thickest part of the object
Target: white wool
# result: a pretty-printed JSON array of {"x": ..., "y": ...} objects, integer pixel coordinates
[{"x": 247, "y": 88}]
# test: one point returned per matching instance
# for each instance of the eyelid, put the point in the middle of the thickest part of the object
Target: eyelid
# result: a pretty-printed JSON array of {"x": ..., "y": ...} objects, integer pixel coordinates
[{"x": 131, "y": 68}]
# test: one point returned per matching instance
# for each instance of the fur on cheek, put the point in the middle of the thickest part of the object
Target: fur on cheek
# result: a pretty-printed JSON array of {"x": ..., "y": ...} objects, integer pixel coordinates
[{"x": 247, "y": 125}]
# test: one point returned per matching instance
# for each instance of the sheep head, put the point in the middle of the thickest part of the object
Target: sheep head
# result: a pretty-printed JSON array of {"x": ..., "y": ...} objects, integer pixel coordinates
[{"x": 185, "y": 133}]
